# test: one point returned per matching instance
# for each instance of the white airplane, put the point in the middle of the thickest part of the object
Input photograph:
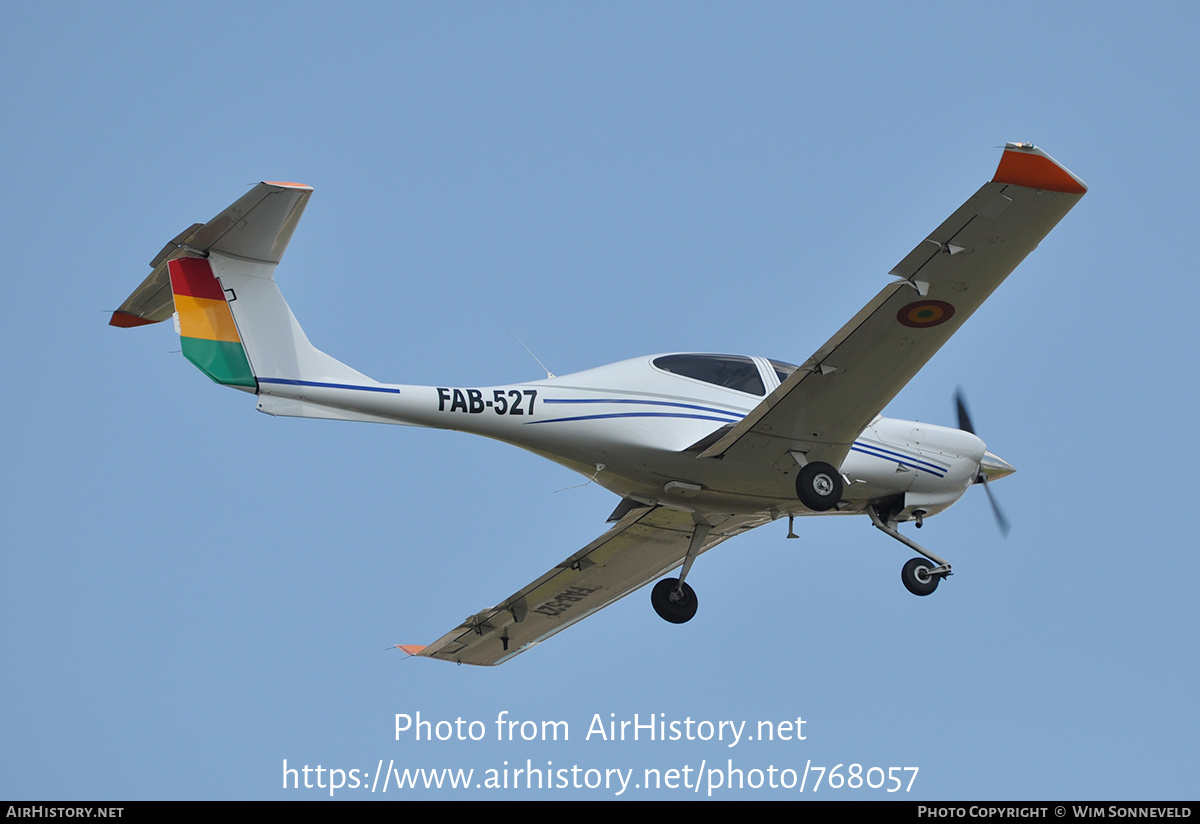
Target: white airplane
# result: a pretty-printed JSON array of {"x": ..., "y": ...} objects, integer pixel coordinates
[{"x": 699, "y": 447}]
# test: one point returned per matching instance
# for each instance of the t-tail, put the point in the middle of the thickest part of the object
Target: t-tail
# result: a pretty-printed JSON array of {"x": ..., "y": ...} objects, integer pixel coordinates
[{"x": 218, "y": 280}]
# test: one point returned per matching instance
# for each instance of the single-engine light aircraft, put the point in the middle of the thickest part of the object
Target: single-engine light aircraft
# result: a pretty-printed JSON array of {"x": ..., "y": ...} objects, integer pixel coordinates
[{"x": 699, "y": 447}]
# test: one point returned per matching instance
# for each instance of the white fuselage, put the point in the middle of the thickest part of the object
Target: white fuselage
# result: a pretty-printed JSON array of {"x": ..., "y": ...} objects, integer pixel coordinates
[{"x": 637, "y": 421}]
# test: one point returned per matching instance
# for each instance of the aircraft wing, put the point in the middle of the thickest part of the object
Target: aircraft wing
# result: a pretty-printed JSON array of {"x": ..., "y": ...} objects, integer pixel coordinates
[
  {"x": 643, "y": 545},
  {"x": 823, "y": 406}
]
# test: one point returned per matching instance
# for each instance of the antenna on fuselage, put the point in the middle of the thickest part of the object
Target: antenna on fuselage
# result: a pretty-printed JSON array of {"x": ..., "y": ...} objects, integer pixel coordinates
[{"x": 549, "y": 374}]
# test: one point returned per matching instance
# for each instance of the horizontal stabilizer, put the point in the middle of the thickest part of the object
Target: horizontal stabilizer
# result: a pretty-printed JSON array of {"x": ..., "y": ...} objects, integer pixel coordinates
[{"x": 257, "y": 227}]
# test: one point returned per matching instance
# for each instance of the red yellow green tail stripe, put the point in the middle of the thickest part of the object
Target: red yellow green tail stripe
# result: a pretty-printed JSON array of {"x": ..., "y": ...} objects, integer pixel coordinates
[{"x": 210, "y": 337}]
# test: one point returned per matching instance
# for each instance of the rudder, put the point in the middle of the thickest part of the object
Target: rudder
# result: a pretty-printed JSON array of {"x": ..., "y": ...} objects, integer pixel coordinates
[{"x": 207, "y": 331}]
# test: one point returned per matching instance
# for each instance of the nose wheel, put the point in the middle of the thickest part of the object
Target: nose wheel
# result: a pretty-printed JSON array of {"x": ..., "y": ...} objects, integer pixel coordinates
[{"x": 919, "y": 577}]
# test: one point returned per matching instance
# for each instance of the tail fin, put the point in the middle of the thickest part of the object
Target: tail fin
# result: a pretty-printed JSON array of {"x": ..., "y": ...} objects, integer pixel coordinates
[{"x": 219, "y": 280}]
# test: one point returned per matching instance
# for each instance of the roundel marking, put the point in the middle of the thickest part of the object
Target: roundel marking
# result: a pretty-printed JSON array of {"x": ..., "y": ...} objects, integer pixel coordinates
[{"x": 925, "y": 313}]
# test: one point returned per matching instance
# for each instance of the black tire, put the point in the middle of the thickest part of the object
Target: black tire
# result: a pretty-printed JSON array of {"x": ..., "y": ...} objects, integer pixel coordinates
[
  {"x": 676, "y": 608},
  {"x": 819, "y": 486},
  {"x": 916, "y": 577}
]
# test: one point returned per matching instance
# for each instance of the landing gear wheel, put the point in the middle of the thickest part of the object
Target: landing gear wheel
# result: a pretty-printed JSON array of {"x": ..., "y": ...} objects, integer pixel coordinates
[
  {"x": 917, "y": 578},
  {"x": 819, "y": 486},
  {"x": 676, "y": 607}
]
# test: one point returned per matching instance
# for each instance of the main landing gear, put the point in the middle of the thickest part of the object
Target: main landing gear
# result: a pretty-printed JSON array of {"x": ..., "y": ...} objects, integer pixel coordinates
[
  {"x": 819, "y": 486},
  {"x": 673, "y": 599},
  {"x": 920, "y": 575}
]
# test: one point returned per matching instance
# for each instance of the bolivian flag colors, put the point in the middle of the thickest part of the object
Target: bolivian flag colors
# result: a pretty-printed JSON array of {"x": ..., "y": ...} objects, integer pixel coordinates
[{"x": 206, "y": 327}]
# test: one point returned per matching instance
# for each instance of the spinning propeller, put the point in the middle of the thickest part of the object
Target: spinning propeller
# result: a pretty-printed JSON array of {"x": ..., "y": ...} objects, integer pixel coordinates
[{"x": 989, "y": 468}]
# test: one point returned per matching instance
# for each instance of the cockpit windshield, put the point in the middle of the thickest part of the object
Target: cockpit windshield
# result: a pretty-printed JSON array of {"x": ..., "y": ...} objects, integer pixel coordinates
[{"x": 730, "y": 371}]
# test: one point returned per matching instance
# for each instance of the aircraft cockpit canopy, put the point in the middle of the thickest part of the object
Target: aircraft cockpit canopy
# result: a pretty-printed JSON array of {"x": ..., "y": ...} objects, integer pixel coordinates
[{"x": 736, "y": 372}]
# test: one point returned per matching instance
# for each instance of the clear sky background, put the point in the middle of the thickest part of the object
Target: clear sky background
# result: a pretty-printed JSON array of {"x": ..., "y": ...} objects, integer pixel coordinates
[{"x": 194, "y": 592}]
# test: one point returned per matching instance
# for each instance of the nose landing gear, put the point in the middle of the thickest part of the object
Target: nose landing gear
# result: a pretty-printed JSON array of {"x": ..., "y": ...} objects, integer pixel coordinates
[{"x": 920, "y": 575}]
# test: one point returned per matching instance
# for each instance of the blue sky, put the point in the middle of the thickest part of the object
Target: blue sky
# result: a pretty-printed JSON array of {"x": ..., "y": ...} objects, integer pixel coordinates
[{"x": 194, "y": 592}]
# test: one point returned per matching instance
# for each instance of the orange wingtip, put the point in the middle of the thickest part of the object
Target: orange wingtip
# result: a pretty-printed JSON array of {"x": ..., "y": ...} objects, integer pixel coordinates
[
  {"x": 127, "y": 321},
  {"x": 287, "y": 184},
  {"x": 1023, "y": 164},
  {"x": 411, "y": 649}
]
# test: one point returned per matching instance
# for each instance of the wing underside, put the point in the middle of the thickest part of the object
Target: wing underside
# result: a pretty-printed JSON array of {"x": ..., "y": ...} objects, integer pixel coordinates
[
  {"x": 834, "y": 395},
  {"x": 643, "y": 545}
]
